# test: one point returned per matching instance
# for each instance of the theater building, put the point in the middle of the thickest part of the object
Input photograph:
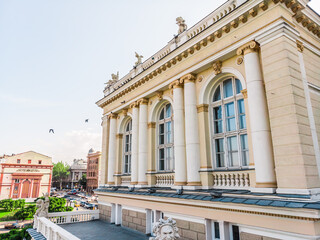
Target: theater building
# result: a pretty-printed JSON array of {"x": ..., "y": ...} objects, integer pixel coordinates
[
  {"x": 220, "y": 129},
  {"x": 25, "y": 175}
]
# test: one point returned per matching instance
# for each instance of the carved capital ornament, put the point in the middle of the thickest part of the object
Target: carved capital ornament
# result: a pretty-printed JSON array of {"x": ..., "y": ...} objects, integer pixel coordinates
[
  {"x": 249, "y": 47},
  {"x": 188, "y": 78},
  {"x": 217, "y": 67}
]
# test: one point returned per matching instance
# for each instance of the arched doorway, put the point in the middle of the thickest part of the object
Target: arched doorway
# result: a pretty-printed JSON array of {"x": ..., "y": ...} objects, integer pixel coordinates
[
  {"x": 25, "y": 189},
  {"x": 35, "y": 191}
]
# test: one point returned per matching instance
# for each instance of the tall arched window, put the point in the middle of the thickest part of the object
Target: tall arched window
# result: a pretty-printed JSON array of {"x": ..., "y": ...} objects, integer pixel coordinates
[
  {"x": 229, "y": 129},
  {"x": 127, "y": 148},
  {"x": 165, "y": 139}
]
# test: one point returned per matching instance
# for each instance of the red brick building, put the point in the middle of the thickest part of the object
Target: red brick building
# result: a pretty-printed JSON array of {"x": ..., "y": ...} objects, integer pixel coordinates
[{"x": 92, "y": 170}]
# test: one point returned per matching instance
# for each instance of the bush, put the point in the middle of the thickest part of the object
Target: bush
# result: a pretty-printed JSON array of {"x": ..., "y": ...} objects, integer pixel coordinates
[
  {"x": 16, "y": 234},
  {"x": 9, "y": 205},
  {"x": 25, "y": 213},
  {"x": 57, "y": 204}
]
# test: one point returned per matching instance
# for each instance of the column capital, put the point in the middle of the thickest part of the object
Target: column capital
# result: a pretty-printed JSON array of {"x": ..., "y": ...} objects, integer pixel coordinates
[
  {"x": 143, "y": 101},
  {"x": 112, "y": 116},
  {"x": 300, "y": 46},
  {"x": 244, "y": 93},
  {"x": 190, "y": 77},
  {"x": 249, "y": 47},
  {"x": 217, "y": 67},
  {"x": 134, "y": 105},
  {"x": 119, "y": 136},
  {"x": 176, "y": 84},
  {"x": 202, "y": 108},
  {"x": 151, "y": 125},
  {"x": 105, "y": 118}
]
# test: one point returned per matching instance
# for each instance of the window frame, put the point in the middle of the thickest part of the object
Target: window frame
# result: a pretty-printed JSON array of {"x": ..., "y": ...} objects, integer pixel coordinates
[
  {"x": 127, "y": 153},
  {"x": 165, "y": 145},
  {"x": 225, "y": 135}
]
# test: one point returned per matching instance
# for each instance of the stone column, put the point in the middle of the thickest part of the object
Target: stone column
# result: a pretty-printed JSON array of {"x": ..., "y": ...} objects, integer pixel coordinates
[
  {"x": 191, "y": 130},
  {"x": 112, "y": 148},
  {"x": 135, "y": 143},
  {"x": 143, "y": 142},
  {"x": 259, "y": 118},
  {"x": 104, "y": 151},
  {"x": 179, "y": 136}
]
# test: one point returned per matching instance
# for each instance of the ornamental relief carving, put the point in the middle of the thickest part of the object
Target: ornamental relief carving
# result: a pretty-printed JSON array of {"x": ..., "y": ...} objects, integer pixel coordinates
[
  {"x": 217, "y": 67},
  {"x": 249, "y": 47}
]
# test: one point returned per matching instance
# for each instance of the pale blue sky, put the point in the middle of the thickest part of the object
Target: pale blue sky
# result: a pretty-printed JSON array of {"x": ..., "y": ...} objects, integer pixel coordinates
[{"x": 55, "y": 57}]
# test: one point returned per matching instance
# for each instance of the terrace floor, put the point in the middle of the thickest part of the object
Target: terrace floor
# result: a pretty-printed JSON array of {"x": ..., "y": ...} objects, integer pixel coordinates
[{"x": 96, "y": 230}]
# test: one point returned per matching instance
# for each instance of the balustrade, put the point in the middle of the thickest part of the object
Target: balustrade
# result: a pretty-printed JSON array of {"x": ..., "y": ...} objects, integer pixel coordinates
[
  {"x": 163, "y": 180},
  {"x": 231, "y": 180},
  {"x": 74, "y": 216}
]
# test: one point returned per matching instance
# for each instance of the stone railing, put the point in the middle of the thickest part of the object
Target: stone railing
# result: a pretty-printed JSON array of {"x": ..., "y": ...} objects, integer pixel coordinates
[
  {"x": 73, "y": 217},
  {"x": 164, "y": 179},
  {"x": 51, "y": 231},
  {"x": 236, "y": 179}
]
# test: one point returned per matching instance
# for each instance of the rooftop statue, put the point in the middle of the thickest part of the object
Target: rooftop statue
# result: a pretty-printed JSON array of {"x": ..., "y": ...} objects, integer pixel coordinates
[
  {"x": 43, "y": 206},
  {"x": 139, "y": 59},
  {"x": 165, "y": 230},
  {"x": 114, "y": 79},
  {"x": 181, "y": 24}
]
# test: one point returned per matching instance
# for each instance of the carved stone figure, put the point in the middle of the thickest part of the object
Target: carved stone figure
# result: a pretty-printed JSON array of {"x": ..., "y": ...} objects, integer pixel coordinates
[
  {"x": 43, "y": 206},
  {"x": 181, "y": 24},
  {"x": 114, "y": 79},
  {"x": 139, "y": 59},
  {"x": 165, "y": 230}
]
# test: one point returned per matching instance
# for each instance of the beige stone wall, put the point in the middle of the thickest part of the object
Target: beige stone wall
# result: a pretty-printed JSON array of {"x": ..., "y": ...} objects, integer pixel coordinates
[
  {"x": 134, "y": 220},
  {"x": 104, "y": 213},
  {"x": 33, "y": 156},
  {"x": 191, "y": 230},
  {"x": 291, "y": 135},
  {"x": 249, "y": 236}
]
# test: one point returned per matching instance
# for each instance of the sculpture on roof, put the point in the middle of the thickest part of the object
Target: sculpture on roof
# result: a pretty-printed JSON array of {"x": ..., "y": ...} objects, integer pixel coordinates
[
  {"x": 114, "y": 79},
  {"x": 43, "y": 206},
  {"x": 139, "y": 59},
  {"x": 182, "y": 25},
  {"x": 165, "y": 230}
]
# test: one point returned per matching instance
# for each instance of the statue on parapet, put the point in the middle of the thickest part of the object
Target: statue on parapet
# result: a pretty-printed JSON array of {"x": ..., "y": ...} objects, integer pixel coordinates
[
  {"x": 165, "y": 230},
  {"x": 43, "y": 206},
  {"x": 139, "y": 59},
  {"x": 182, "y": 25},
  {"x": 114, "y": 79}
]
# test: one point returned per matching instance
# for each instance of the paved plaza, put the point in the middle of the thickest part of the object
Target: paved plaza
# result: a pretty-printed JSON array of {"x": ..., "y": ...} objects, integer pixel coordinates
[{"x": 96, "y": 230}]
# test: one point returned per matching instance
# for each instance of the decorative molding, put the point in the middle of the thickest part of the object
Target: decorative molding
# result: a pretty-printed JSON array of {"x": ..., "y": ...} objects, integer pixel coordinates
[
  {"x": 124, "y": 112},
  {"x": 113, "y": 116},
  {"x": 300, "y": 46},
  {"x": 190, "y": 77},
  {"x": 176, "y": 84},
  {"x": 200, "y": 78},
  {"x": 119, "y": 136},
  {"x": 151, "y": 125},
  {"x": 159, "y": 95},
  {"x": 249, "y": 47},
  {"x": 202, "y": 108},
  {"x": 143, "y": 101},
  {"x": 244, "y": 93},
  {"x": 239, "y": 60},
  {"x": 134, "y": 105},
  {"x": 217, "y": 67}
]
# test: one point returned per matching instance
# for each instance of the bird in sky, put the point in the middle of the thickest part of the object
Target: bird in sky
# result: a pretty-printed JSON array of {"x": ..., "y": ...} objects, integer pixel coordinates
[
  {"x": 87, "y": 120},
  {"x": 51, "y": 130}
]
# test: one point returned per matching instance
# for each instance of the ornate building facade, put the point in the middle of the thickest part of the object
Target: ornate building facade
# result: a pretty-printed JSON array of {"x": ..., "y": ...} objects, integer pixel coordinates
[
  {"x": 77, "y": 169},
  {"x": 220, "y": 129},
  {"x": 93, "y": 160},
  {"x": 25, "y": 175}
]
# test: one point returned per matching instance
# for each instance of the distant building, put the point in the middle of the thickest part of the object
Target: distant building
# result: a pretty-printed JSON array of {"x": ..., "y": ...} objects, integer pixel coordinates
[
  {"x": 77, "y": 169},
  {"x": 25, "y": 175},
  {"x": 93, "y": 170}
]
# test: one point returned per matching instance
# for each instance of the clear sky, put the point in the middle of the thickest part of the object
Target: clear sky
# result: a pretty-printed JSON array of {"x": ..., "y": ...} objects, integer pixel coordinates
[{"x": 55, "y": 57}]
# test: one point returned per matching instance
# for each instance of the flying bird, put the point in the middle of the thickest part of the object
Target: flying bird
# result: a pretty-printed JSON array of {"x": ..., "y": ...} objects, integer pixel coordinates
[
  {"x": 87, "y": 120},
  {"x": 51, "y": 130}
]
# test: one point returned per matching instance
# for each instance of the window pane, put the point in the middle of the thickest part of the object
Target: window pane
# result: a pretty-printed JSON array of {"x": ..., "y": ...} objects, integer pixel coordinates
[
  {"x": 238, "y": 86},
  {"x": 127, "y": 143},
  {"x": 227, "y": 88},
  {"x": 233, "y": 151},
  {"x": 217, "y": 113},
  {"x": 218, "y": 127},
  {"x": 231, "y": 122},
  {"x": 216, "y": 230},
  {"x": 169, "y": 158},
  {"x": 245, "y": 149},
  {"x": 168, "y": 126},
  {"x": 161, "y": 128},
  {"x": 161, "y": 159},
  {"x": 217, "y": 95},
  {"x": 219, "y": 152},
  {"x": 230, "y": 109},
  {"x": 168, "y": 111},
  {"x": 241, "y": 106},
  {"x": 162, "y": 114}
]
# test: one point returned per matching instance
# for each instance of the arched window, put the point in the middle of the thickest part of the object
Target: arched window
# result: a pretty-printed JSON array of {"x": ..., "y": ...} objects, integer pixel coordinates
[
  {"x": 127, "y": 148},
  {"x": 229, "y": 129},
  {"x": 165, "y": 139}
]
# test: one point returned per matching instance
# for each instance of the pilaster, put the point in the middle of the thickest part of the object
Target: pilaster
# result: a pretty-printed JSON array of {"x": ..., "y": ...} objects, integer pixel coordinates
[
  {"x": 143, "y": 141},
  {"x": 135, "y": 143}
]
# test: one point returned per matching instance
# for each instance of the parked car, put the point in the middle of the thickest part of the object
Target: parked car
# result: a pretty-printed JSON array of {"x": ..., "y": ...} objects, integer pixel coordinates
[
  {"x": 76, "y": 204},
  {"x": 91, "y": 206},
  {"x": 12, "y": 226},
  {"x": 83, "y": 203}
]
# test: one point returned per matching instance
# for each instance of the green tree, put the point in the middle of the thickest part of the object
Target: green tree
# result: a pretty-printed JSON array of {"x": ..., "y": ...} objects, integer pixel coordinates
[
  {"x": 60, "y": 172},
  {"x": 83, "y": 181}
]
